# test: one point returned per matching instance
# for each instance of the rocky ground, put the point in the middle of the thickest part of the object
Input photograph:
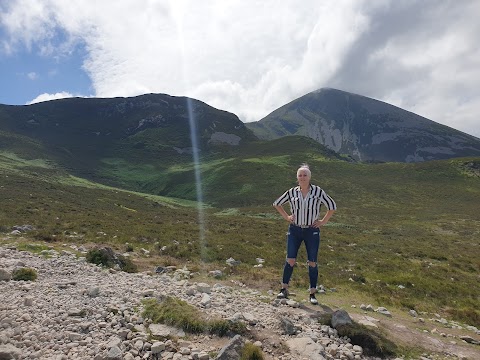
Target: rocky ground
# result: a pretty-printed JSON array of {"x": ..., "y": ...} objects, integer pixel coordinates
[{"x": 76, "y": 310}]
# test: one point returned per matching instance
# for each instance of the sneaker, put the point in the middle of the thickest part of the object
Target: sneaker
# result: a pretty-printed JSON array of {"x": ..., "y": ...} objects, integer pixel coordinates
[
  {"x": 313, "y": 299},
  {"x": 283, "y": 294}
]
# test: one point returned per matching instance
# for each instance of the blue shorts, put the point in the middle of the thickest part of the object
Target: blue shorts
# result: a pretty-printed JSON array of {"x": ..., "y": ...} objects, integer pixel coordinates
[{"x": 311, "y": 237}]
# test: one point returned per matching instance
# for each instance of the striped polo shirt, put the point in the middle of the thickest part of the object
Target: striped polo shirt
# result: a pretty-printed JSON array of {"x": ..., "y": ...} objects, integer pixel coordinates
[{"x": 306, "y": 210}]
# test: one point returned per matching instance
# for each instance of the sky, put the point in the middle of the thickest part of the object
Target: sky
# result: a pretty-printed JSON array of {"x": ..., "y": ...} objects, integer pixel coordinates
[{"x": 247, "y": 57}]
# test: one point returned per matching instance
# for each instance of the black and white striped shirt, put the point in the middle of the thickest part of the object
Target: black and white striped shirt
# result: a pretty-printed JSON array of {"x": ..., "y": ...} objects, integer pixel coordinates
[{"x": 306, "y": 210}]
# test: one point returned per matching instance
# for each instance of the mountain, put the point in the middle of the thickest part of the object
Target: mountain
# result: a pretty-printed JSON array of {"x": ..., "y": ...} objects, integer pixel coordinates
[
  {"x": 86, "y": 135},
  {"x": 365, "y": 129},
  {"x": 143, "y": 143}
]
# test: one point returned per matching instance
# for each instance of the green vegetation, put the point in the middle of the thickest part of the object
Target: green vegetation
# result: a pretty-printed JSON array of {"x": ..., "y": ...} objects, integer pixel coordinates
[
  {"x": 25, "y": 274},
  {"x": 33, "y": 248},
  {"x": 106, "y": 257},
  {"x": 172, "y": 311},
  {"x": 251, "y": 352},
  {"x": 406, "y": 234}
]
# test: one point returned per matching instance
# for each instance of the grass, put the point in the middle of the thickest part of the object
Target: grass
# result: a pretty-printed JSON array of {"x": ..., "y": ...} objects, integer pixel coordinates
[
  {"x": 33, "y": 248},
  {"x": 251, "y": 352},
  {"x": 414, "y": 225},
  {"x": 175, "y": 312}
]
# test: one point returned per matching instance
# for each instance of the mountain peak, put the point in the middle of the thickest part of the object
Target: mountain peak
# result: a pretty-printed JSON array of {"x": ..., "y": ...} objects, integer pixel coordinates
[{"x": 365, "y": 128}]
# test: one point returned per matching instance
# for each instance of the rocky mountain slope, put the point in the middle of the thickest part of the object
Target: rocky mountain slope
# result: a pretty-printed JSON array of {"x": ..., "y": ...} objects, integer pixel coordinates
[{"x": 365, "y": 129}]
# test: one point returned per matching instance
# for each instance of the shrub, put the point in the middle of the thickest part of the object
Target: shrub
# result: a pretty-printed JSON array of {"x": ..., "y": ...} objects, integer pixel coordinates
[
  {"x": 99, "y": 257},
  {"x": 127, "y": 265},
  {"x": 26, "y": 274},
  {"x": 107, "y": 258},
  {"x": 251, "y": 352}
]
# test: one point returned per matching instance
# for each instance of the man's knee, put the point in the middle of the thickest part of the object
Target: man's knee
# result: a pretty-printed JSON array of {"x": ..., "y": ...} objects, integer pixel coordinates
[
  {"x": 312, "y": 264},
  {"x": 291, "y": 262}
]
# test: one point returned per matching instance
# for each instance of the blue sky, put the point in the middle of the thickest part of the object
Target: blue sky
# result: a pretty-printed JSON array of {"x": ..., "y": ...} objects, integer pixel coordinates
[
  {"x": 26, "y": 75},
  {"x": 247, "y": 57}
]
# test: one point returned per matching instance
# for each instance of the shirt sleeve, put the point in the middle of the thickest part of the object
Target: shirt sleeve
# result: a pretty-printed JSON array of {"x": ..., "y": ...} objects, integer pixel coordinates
[
  {"x": 282, "y": 199},
  {"x": 328, "y": 201}
]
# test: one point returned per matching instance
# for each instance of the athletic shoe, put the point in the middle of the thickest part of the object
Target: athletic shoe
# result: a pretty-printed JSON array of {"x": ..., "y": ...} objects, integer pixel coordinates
[
  {"x": 313, "y": 299},
  {"x": 283, "y": 294}
]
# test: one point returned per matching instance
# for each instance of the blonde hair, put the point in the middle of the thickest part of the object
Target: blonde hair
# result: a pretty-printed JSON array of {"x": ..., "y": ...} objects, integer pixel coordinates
[{"x": 306, "y": 168}]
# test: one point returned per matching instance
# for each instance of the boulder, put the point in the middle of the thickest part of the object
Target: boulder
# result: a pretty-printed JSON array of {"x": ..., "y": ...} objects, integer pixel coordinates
[
  {"x": 233, "y": 350},
  {"x": 340, "y": 317}
]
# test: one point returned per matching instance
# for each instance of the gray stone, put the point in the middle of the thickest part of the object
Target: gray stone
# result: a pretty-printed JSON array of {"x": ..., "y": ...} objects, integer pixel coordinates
[
  {"x": 232, "y": 262},
  {"x": 368, "y": 321},
  {"x": 357, "y": 350},
  {"x": 93, "y": 291},
  {"x": 9, "y": 351},
  {"x": 206, "y": 301},
  {"x": 204, "y": 288},
  {"x": 165, "y": 331},
  {"x": 148, "y": 293},
  {"x": 138, "y": 345},
  {"x": 28, "y": 301},
  {"x": 293, "y": 303},
  {"x": 217, "y": 274},
  {"x": 288, "y": 327},
  {"x": 202, "y": 355},
  {"x": 5, "y": 275},
  {"x": 250, "y": 318},
  {"x": 76, "y": 312},
  {"x": 306, "y": 348},
  {"x": 114, "y": 353},
  {"x": 233, "y": 350},
  {"x": 157, "y": 347},
  {"x": 340, "y": 317},
  {"x": 383, "y": 311}
]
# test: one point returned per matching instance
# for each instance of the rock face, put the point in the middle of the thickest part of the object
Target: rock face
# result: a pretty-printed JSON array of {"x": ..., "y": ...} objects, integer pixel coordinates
[{"x": 366, "y": 129}]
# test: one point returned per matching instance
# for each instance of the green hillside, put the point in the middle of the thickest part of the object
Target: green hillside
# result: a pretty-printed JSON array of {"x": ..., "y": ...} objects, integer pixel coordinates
[{"x": 414, "y": 225}]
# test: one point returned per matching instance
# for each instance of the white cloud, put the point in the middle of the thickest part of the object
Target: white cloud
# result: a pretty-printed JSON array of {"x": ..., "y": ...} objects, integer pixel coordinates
[
  {"x": 250, "y": 57},
  {"x": 32, "y": 75},
  {"x": 46, "y": 97}
]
